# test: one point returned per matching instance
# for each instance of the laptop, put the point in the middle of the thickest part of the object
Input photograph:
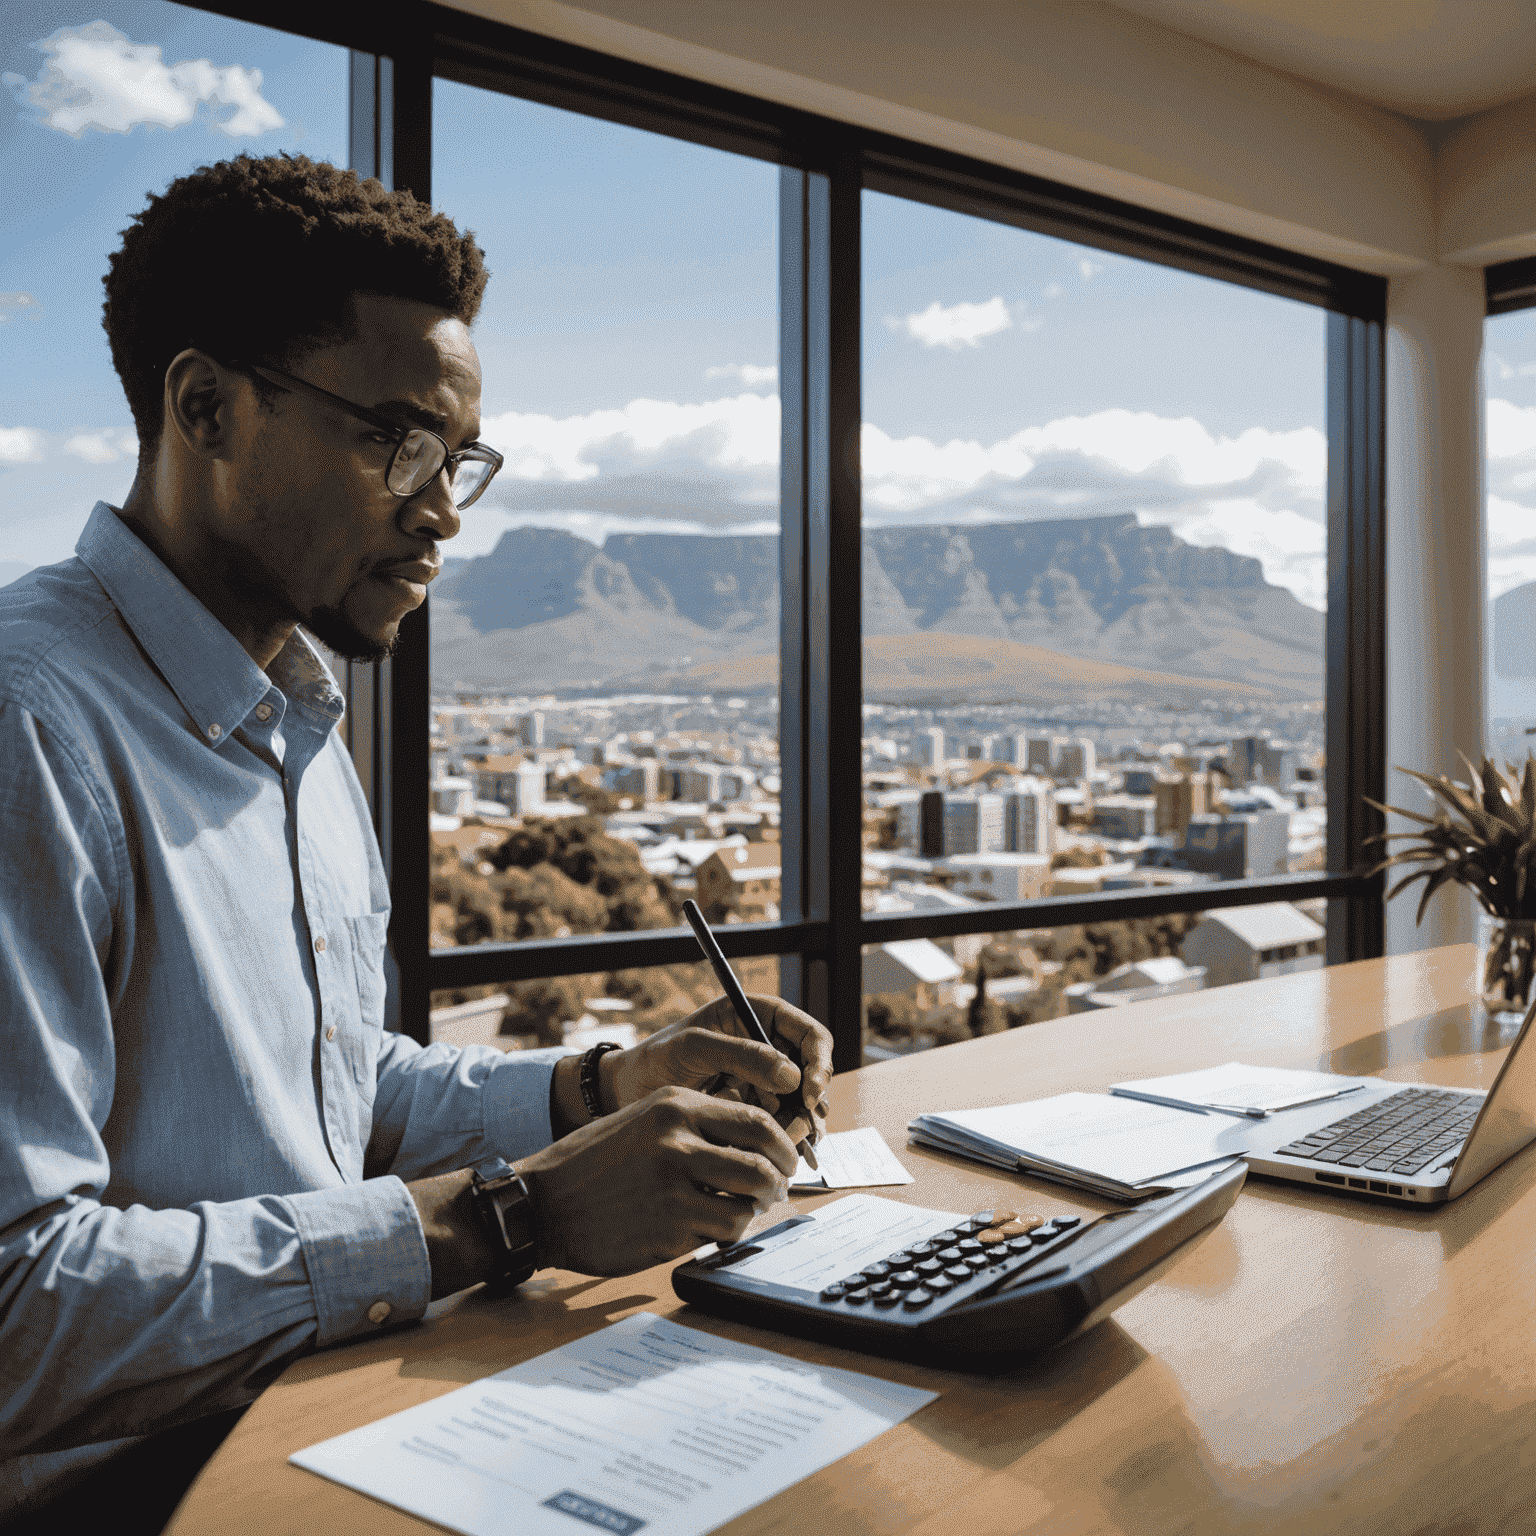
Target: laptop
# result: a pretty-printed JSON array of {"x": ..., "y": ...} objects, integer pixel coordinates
[{"x": 1408, "y": 1142}]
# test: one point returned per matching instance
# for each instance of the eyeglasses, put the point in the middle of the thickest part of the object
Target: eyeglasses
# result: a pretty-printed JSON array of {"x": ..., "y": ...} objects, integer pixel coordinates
[{"x": 419, "y": 454}]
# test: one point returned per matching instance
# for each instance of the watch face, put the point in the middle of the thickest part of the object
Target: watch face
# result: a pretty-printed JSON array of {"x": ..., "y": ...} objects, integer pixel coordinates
[{"x": 492, "y": 1168}]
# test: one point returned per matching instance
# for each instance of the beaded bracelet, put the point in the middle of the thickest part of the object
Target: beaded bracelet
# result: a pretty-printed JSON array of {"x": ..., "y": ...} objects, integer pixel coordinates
[{"x": 586, "y": 1076}]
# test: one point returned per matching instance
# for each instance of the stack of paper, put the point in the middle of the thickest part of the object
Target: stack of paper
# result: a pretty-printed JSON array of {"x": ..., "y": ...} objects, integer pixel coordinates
[{"x": 1120, "y": 1148}]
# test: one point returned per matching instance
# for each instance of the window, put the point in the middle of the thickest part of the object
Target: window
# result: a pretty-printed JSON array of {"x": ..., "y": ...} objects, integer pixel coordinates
[
  {"x": 103, "y": 113},
  {"x": 1510, "y": 362}
]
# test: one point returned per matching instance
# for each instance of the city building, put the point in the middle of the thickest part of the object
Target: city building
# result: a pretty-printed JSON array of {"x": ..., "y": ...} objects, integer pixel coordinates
[
  {"x": 1165, "y": 976},
  {"x": 514, "y": 781},
  {"x": 1041, "y": 753},
  {"x": 918, "y": 966},
  {"x": 1076, "y": 760},
  {"x": 1125, "y": 818},
  {"x": 740, "y": 883},
  {"x": 929, "y": 748},
  {"x": 998, "y": 876},
  {"x": 1238, "y": 847},
  {"x": 1181, "y": 797},
  {"x": 1246, "y": 943},
  {"x": 1029, "y": 815}
]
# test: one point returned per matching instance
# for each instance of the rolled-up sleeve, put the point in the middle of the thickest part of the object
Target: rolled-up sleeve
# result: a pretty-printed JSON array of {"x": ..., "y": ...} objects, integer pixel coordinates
[
  {"x": 119, "y": 1322},
  {"x": 440, "y": 1107}
]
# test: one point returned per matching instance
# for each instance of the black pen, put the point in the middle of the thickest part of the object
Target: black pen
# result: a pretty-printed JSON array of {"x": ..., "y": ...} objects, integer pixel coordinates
[{"x": 733, "y": 990}]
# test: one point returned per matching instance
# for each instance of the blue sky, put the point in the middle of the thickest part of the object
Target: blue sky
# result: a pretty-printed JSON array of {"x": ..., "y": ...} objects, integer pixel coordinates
[{"x": 629, "y": 334}]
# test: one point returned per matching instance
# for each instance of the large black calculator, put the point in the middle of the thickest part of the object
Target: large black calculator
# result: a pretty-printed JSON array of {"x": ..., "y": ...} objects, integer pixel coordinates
[{"x": 979, "y": 1293}]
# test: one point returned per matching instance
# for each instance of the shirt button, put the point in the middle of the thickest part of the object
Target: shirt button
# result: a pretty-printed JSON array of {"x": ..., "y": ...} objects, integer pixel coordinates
[
  {"x": 330, "y": 1034},
  {"x": 263, "y": 711},
  {"x": 214, "y": 732},
  {"x": 379, "y": 1311},
  {"x": 320, "y": 945}
]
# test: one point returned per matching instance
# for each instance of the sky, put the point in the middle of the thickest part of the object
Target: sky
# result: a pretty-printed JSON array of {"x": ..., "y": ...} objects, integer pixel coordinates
[{"x": 629, "y": 334}]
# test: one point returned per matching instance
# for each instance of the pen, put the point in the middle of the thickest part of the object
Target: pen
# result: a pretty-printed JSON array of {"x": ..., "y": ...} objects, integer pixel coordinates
[
  {"x": 733, "y": 990},
  {"x": 1264, "y": 1114}
]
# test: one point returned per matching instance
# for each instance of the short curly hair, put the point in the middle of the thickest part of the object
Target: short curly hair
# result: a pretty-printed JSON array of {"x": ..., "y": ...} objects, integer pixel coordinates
[{"x": 259, "y": 258}]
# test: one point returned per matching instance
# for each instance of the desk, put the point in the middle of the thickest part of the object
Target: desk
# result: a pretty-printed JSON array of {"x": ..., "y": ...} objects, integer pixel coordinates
[{"x": 1317, "y": 1365}]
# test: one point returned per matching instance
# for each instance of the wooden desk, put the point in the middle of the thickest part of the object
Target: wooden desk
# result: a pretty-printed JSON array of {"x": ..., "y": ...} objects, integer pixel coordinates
[{"x": 1317, "y": 1365}]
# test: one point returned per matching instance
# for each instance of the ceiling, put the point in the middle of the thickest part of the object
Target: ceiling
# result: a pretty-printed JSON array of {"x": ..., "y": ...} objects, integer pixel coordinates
[{"x": 1428, "y": 59}]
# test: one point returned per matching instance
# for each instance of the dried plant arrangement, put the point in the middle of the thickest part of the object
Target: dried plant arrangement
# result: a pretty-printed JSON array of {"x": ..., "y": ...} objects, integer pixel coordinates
[{"x": 1483, "y": 837}]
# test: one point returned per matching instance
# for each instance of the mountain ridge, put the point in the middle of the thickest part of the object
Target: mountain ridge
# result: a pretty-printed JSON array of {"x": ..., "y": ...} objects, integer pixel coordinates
[{"x": 547, "y": 608}]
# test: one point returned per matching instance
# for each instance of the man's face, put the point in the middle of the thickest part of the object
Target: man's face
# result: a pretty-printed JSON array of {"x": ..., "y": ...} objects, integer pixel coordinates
[{"x": 309, "y": 529}]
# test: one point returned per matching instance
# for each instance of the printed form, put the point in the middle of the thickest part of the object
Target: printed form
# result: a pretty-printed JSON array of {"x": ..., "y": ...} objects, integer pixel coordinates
[{"x": 643, "y": 1426}]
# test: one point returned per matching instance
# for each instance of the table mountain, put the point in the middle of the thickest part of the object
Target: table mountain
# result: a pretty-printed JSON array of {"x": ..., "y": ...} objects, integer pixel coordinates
[{"x": 547, "y": 609}]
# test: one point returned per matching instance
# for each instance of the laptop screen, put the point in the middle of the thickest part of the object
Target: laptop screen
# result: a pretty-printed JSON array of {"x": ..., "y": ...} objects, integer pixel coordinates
[{"x": 1507, "y": 1120}]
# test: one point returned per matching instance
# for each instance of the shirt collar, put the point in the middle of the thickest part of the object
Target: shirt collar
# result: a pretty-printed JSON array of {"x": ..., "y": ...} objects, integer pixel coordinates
[{"x": 207, "y": 669}]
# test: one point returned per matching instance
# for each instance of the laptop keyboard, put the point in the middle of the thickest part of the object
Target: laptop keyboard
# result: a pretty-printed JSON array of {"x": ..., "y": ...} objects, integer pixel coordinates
[{"x": 1403, "y": 1134}]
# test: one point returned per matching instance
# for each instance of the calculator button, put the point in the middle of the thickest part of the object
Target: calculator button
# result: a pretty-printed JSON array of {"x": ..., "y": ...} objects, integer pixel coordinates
[
  {"x": 924, "y": 1250},
  {"x": 991, "y": 1235},
  {"x": 1020, "y": 1225},
  {"x": 926, "y": 1267},
  {"x": 980, "y": 1219},
  {"x": 938, "y": 1284},
  {"x": 949, "y": 1255},
  {"x": 958, "y": 1272},
  {"x": 916, "y": 1299},
  {"x": 832, "y": 1292},
  {"x": 902, "y": 1260},
  {"x": 906, "y": 1279},
  {"x": 856, "y": 1298},
  {"x": 888, "y": 1298},
  {"x": 968, "y": 1245},
  {"x": 977, "y": 1260},
  {"x": 880, "y": 1288},
  {"x": 1020, "y": 1244},
  {"x": 1066, "y": 1223},
  {"x": 944, "y": 1239},
  {"x": 853, "y": 1282},
  {"x": 875, "y": 1271},
  {"x": 999, "y": 1217}
]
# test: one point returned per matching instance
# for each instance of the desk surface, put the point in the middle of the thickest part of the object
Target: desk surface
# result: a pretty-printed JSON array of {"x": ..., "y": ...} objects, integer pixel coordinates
[{"x": 1316, "y": 1365}]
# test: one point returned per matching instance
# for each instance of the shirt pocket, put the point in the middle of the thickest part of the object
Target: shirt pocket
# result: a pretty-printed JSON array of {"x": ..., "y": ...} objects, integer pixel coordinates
[{"x": 368, "y": 937}]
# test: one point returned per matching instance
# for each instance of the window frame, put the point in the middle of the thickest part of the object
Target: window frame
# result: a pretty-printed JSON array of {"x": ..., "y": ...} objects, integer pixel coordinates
[{"x": 825, "y": 167}]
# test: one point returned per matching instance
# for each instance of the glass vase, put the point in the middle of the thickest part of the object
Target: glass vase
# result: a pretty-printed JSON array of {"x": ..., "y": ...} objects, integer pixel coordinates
[{"x": 1506, "y": 965}]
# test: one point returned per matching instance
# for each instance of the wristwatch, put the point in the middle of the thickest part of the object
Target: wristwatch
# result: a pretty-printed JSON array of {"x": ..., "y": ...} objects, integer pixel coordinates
[{"x": 506, "y": 1208}]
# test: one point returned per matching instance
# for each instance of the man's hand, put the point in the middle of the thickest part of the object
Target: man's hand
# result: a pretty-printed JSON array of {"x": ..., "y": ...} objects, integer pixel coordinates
[
  {"x": 639, "y": 1186},
  {"x": 712, "y": 1044}
]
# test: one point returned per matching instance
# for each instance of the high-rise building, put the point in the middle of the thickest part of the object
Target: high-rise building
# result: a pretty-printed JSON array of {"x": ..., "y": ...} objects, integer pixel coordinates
[
  {"x": 1040, "y": 753},
  {"x": 973, "y": 824},
  {"x": 1029, "y": 816},
  {"x": 1239, "y": 847},
  {"x": 1075, "y": 760},
  {"x": 530, "y": 729},
  {"x": 1013, "y": 748},
  {"x": 1180, "y": 797},
  {"x": 930, "y": 746}
]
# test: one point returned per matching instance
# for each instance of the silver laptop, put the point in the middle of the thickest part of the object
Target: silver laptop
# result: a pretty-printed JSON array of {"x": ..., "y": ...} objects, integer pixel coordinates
[{"x": 1405, "y": 1141}]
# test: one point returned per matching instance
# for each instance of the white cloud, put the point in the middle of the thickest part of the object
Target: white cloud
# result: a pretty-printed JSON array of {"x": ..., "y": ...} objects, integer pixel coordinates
[
  {"x": 20, "y": 445},
  {"x": 95, "y": 78},
  {"x": 955, "y": 326},
  {"x": 103, "y": 447},
  {"x": 14, "y": 301},
  {"x": 749, "y": 374},
  {"x": 1053, "y": 290},
  {"x": 1088, "y": 269}
]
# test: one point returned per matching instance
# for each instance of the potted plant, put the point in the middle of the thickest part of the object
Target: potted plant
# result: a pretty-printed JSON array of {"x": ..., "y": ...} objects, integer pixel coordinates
[{"x": 1482, "y": 836}]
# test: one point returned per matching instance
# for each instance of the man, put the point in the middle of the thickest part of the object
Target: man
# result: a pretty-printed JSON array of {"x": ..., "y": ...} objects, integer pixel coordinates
[{"x": 213, "y": 1157}]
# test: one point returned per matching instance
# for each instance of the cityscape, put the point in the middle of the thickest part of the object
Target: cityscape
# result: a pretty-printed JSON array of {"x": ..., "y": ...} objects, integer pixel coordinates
[{"x": 585, "y": 812}]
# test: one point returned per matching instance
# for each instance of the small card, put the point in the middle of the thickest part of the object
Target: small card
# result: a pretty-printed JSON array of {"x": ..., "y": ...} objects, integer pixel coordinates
[{"x": 851, "y": 1160}]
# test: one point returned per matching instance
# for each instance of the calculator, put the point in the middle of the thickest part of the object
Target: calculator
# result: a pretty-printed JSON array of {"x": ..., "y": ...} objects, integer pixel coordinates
[{"x": 982, "y": 1293}]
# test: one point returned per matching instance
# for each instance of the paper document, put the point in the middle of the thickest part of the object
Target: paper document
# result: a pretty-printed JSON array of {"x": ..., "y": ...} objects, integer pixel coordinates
[
  {"x": 851, "y": 1160},
  {"x": 1235, "y": 1088},
  {"x": 643, "y": 1426},
  {"x": 1090, "y": 1139},
  {"x": 841, "y": 1238}
]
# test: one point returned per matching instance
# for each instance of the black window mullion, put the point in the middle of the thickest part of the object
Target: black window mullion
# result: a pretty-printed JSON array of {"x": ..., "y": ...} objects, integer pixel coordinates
[{"x": 1355, "y": 708}]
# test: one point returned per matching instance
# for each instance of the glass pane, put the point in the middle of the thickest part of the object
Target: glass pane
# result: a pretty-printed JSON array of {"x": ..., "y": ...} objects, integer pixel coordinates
[
  {"x": 920, "y": 993},
  {"x": 1094, "y": 569},
  {"x": 605, "y": 634},
  {"x": 105, "y": 112},
  {"x": 623, "y": 1006},
  {"x": 1510, "y": 360}
]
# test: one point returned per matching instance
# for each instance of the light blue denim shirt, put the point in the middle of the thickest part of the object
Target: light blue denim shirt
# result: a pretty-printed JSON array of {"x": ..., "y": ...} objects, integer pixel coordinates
[{"x": 204, "y": 1126}]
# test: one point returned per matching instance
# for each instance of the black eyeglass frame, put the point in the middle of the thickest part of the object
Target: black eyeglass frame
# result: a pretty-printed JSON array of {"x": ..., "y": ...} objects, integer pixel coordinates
[{"x": 477, "y": 453}]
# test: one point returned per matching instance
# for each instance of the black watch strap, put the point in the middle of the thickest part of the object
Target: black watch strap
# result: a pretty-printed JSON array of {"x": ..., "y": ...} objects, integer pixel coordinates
[{"x": 506, "y": 1209}]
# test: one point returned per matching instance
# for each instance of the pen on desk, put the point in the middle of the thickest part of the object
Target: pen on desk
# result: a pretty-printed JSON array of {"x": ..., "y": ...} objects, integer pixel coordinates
[
  {"x": 744, "y": 1011},
  {"x": 1252, "y": 1112}
]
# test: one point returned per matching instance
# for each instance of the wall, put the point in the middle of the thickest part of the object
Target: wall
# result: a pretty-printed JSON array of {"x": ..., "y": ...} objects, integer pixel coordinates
[{"x": 1074, "y": 90}]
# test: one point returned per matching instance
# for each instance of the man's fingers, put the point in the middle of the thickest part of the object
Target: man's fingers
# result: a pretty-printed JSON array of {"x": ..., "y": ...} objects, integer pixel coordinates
[
  {"x": 747, "y": 1128},
  {"x": 811, "y": 1042},
  {"x": 732, "y": 1172},
  {"x": 706, "y": 1054}
]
